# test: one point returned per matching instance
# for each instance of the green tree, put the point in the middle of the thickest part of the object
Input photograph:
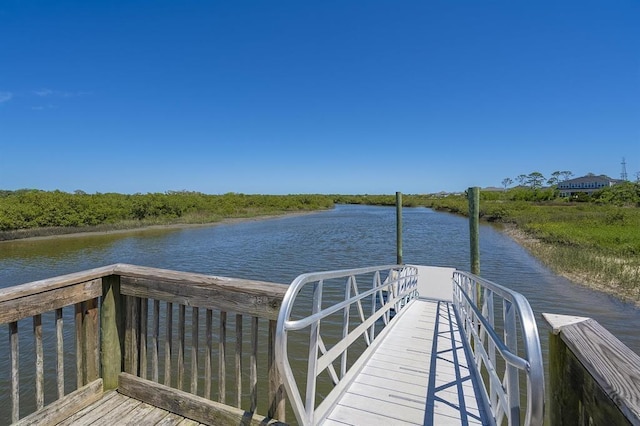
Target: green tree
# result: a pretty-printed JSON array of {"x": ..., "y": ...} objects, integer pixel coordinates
[
  {"x": 566, "y": 175},
  {"x": 535, "y": 180},
  {"x": 554, "y": 179},
  {"x": 622, "y": 194}
]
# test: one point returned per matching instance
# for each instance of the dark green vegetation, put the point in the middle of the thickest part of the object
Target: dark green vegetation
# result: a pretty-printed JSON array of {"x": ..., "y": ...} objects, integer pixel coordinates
[
  {"x": 31, "y": 212},
  {"x": 25, "y": 213}
]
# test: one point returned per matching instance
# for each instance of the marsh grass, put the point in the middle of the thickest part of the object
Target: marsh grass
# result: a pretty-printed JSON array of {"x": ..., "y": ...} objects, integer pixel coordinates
[
  {"x": 619, "y": 276},
  {"x": 591, "y": 244}
]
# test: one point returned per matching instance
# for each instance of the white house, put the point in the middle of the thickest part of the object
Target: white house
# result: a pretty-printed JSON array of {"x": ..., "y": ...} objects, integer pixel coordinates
[{"x": 585, "y": 184}]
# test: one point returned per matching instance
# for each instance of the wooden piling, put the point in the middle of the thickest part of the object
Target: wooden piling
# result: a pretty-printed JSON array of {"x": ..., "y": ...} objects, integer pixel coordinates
[
  {"x": 474, "y": 228},
  {"x": 399, "y": 228}
]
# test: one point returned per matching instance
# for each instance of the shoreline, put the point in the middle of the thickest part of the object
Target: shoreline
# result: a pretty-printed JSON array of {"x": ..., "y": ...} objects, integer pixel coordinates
[
  {"x": 168, "y": 227},
  {"x": 535, "y": 247}
]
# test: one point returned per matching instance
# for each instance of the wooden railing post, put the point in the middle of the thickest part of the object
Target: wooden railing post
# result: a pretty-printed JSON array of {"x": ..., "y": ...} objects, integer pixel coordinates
[
  {"x": 112, "y": 333},
  {"x": 276, "y": 386},
  {"x": 594, "y": 378}
]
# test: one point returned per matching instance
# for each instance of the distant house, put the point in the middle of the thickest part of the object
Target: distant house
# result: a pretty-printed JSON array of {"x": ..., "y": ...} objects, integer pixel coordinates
[{"x": 585, "y": 185}]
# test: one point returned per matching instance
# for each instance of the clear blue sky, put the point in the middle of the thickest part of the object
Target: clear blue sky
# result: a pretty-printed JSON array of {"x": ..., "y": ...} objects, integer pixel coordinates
[{"x": 341, "y": 96}]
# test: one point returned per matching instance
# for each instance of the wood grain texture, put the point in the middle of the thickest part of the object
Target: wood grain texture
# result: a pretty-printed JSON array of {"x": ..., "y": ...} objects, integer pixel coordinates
[
  {"x": 144, "y": 318},
  {"x": 79, "y": 338},
  {"x": 168, "y": 343},
  {"x": 155, "y": 345},
  {"x": 253, "y": 364},
  {"x": 222, "y": 360},
  {"x": 239, "y": 360},
  {"x": 49, "y": 284},
  {"x": 181, "y": 340},
  {"x": 614, "y": 368},
  {"x": 195, "y": 316},
  {"x": 59, "y": 353},
  {"x": 34, "y": 304},
  {"x": 37, "y": 334},
  {"x": 131, "y": 334},
  {"x": 107, "y": 411},
  {"x": 91, "y": 340},
  {"x": 63, "y": 408},
  {"x": 106, "y": 400},
  {"x": 276, "y": 386},
  {"x": 112, "y": 331},
  {"x": 233, "y": 295},
  {"x": 208, "y": 359},
  {"x": 248, "y": 296},
  {"x": 15, "y": 371},
  {"x": 186, "y": 404}
]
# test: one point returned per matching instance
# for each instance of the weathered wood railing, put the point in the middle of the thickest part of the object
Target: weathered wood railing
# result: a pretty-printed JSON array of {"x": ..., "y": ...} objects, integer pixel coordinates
[
  {"x": 144, "y": 330},
  {"x": 594, "y": 378}
]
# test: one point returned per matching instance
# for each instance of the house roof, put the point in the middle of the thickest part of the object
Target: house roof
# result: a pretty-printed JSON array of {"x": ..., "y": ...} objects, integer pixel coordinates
[{"x": 591, "y": 178}]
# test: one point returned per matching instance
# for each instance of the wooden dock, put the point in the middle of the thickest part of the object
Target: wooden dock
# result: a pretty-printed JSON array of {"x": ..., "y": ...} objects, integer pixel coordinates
[{"x": 399, "y": 344}]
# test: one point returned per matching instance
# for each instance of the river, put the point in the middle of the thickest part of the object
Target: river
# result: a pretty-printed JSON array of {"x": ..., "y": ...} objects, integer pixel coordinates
[{"x": 348, "y": 236}]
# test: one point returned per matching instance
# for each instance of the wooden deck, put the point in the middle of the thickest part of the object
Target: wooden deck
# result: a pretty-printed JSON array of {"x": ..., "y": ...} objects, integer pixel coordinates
[
  {"x": 114, "y": 408},
  {"x": 416, "y": 370},
  {"x": 418, "y": 375}
]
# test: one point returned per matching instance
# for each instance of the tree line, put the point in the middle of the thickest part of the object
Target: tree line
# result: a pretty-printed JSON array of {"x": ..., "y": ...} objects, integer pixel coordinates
[
  {"x": 29, "y": 209},
  {"x": 536, "y": 180},
  {"x": 32, "y": 208}
]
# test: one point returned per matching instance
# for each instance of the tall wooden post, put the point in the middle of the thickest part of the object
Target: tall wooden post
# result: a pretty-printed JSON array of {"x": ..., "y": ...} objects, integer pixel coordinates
[
  {"x": 399, "y": 228},
  {"x": 112, "y": 333},
  {"x": 474, "y": 229}
]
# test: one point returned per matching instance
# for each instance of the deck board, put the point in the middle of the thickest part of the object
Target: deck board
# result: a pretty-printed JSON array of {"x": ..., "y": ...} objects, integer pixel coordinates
[
  {"x": 418, "y": 375},
  {"x": 115, "y": 408}
]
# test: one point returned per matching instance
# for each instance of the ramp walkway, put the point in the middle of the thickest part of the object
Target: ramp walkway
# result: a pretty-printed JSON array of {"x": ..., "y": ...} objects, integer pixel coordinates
[
  {"x": 421, "y": 360},
  {"x": 418, "y": 375}
]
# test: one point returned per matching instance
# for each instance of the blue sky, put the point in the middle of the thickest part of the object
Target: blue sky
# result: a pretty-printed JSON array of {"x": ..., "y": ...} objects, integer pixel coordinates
[{"x": 286, "y": 96}]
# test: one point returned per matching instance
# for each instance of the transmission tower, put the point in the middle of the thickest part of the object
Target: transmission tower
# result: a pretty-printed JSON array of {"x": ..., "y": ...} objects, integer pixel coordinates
[{"x": 623, "y": 175}]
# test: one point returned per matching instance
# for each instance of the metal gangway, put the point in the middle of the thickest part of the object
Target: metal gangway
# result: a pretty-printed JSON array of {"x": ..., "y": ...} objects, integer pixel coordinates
[{"x": 404, "y": 344}]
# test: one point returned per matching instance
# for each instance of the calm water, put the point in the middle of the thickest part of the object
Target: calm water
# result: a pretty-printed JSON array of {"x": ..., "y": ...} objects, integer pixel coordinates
[{"x": 279, "y": 249}]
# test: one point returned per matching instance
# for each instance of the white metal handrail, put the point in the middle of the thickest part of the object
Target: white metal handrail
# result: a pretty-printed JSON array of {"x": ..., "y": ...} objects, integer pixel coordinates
[
  {"x": 385, "y": 294},
  {"x": 483, "y": 321}
]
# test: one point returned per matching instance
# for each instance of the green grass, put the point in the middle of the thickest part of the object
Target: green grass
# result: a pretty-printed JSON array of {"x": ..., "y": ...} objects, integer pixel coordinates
[{"x": 593, "y": 244}]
